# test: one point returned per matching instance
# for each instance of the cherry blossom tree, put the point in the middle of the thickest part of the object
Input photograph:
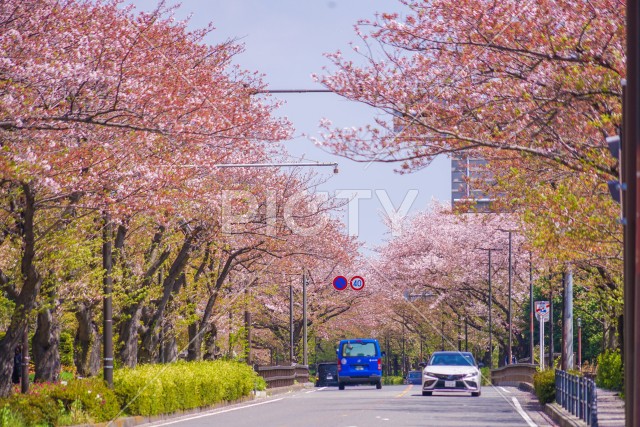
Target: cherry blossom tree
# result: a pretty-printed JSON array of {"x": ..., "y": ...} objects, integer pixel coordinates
[{"x": 110, "y": 111}]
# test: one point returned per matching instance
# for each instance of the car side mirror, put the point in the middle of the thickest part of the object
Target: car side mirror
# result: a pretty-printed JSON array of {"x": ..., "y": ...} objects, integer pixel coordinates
[
  {"x": 383, "y": 354},
  {"x": 422, "y": 364},
  {"x": 480, "y": 365}
]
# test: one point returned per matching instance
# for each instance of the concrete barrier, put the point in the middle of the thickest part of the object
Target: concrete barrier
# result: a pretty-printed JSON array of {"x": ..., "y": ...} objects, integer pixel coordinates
[{"x": 513, "y": 375}]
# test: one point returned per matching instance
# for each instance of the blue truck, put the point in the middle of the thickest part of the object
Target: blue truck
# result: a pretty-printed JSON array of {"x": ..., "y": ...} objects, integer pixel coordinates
[{"x": 359, "y": 362}]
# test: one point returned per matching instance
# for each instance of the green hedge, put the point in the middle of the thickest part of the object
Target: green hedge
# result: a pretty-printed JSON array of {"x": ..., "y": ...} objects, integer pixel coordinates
[
  {"x": 60, "y": 404},
  {"x": 392, "y": 380},
  {"x": 610, "y": 374},
  {"x": 544, "y": 384},
  {"x": 485, "y": 372},
  {"x": 162, "y": 389},
  {"x": 146, "y": 390}
]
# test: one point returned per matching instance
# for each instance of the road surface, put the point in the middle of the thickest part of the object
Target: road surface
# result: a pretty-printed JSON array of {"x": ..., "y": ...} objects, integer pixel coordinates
[{"x": 364, "y": 406}]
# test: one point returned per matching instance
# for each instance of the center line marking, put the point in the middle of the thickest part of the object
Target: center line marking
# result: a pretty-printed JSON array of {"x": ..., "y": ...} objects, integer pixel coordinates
[
  {"x": 405, "y": 390},
  {"x": 504, "y": 389}
]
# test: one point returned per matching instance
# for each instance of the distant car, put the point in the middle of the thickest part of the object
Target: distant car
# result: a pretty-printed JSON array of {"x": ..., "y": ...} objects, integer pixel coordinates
[
  {"x": 451, "y": 371},
  {"x": 359, "y": 362},
  {"x": 414, "y": 377},
  {"x": 327, "y": 374}
]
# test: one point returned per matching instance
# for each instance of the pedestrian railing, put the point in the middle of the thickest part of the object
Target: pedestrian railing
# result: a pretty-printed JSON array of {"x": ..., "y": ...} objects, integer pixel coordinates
[
  {"x": 578, "y": 396},
  {"x": 281, "y": 376}
]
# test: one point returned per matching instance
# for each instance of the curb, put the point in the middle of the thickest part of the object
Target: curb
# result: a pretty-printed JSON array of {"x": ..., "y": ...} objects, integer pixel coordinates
[
  {"x": 561, "y": 417},
  {"x": 142, "y": 420},
  {"x": 286, "y": 389},
  {"x": 138, "y": 420}
]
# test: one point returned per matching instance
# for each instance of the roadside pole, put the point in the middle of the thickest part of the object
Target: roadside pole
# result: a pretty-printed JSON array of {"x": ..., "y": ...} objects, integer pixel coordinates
[
  {"x": 541, "y": 344},
  {"x": 543, "y": 314}
]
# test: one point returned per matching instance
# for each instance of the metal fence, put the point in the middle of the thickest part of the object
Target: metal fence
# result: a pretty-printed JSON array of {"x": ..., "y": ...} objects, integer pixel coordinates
[
  {"x": 281, "y": 376},
  {"x": 578, "y": 396}
]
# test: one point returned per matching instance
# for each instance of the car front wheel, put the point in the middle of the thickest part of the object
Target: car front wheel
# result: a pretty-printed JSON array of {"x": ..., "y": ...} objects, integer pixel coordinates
[
  {"x": 475, "y": 393},
  {"x": 379, "y": 385},
  {"x": 341, "y": 386}
]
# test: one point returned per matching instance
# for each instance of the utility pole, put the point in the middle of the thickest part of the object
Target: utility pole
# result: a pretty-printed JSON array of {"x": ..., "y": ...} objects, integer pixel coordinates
[
  {"x": 107, "y": 285},
  {"x": 247, "y": 324},
  {"x": 24, "y": 380},
  {"x": 466, "y": 334},
  {"x": 291, "y": 324},
  {"x": 304, "y": 320},
  {"x": 630, "y": 151},
  {"x": 567, "y": 321}
]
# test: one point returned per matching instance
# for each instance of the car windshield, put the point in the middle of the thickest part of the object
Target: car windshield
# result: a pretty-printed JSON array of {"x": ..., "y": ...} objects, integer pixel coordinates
[
  {"x": 453, "y": 359},
  {"x": 415, "y": 374},
  {"x": 359, "y": 349}
]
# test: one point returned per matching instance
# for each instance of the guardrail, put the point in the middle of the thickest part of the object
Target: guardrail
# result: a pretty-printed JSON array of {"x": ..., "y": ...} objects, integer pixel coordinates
[
  {"x": 577, "y": 395},
  {"x": 282, "y": 376}
]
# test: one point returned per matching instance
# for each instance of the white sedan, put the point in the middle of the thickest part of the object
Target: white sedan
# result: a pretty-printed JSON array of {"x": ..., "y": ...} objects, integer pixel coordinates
[{"x": 451, "y": 371}]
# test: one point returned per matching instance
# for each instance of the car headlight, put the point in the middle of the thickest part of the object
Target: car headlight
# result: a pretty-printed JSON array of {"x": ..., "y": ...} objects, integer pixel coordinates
[
  {"x": 472, "y": 374},
  {"x": 429, "y": 374}
]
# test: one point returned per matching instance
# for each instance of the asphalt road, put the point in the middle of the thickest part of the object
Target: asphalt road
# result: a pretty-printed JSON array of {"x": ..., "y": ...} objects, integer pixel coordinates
[{"x": 393, "y": 406}]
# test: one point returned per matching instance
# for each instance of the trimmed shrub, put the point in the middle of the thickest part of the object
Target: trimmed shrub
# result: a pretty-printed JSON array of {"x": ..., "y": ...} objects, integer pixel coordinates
[
  {"x": 93, "y": 395},
  {"x": 610, "y": 374},
  {"x": 32, "y": 409},
  {"x": 544, "y": 384},
  {"x": 162, "y": 389},
  {"x": 392, "y": 380},
  {"x": 486, "y": 375},
  {"x": 9, "y": 418}
]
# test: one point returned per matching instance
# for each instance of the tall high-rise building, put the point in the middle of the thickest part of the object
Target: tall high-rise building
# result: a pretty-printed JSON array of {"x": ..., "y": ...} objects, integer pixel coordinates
[{"x": 466, "y": 173}]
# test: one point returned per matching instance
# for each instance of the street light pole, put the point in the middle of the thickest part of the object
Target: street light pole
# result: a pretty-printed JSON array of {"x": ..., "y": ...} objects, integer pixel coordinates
[
  {"x": 531, "y": 310},
  {"x": 509, "y": 309},
  {"x": 580, "y": 344},
  {"x": 291, "y": 324},
  {"x": 489, "y": 250}
]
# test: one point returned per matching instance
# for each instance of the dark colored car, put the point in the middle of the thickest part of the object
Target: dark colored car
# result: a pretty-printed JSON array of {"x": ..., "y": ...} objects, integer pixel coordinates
[
  {"x": 414, "y": 377},
  {"x": 327, "y": 374},
  {"x": 359, "y": 362}
]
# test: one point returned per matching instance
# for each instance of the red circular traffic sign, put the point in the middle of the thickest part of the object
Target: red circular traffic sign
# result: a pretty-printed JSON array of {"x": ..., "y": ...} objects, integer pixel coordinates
[
  {"x": 357, "y": 283},
  {"x": 340, "y": 283}
]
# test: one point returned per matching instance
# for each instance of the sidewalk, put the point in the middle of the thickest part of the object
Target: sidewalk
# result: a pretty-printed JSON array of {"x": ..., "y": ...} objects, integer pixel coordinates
[{"x": 610, "y": 411}]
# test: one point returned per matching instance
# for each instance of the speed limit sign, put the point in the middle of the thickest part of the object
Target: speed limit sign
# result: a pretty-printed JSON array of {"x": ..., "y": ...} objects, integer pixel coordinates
[{"x": 357, "y": 283}]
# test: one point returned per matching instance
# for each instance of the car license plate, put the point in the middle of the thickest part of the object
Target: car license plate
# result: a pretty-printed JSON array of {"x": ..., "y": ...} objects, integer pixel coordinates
[
  {"x": 329, "y": 377},
  {"x": 359, "y": 368},
  {"x": 450, "y": 384}
]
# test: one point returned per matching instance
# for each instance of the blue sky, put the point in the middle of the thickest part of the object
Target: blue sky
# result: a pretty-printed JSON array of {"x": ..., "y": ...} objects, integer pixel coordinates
[{"x": 285, "y": 40}]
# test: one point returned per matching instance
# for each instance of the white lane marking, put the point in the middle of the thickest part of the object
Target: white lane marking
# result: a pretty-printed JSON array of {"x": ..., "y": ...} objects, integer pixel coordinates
[
  {"x": 216, "y": 413},
  {"x": 522, "y": 413},
  {"x": 504, "y": 389},
  {"x": 313, "y": 391}
]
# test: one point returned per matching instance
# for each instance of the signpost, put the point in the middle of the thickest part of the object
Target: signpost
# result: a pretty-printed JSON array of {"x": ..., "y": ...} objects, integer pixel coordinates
[{"x": 543, "y": 313}]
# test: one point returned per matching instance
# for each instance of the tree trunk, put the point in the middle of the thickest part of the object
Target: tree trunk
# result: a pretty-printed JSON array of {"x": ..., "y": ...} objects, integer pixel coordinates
[
  {"x": 25, "y": 300},
  {"x": 169, "y": 345},
  {"x": 46, "y": 342},
  {"x": 129, "y": 337},
  {"x": 86, "y": 344},
  {"x": 194, "y": 352},
  {"x": 211, "y": 348}
]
